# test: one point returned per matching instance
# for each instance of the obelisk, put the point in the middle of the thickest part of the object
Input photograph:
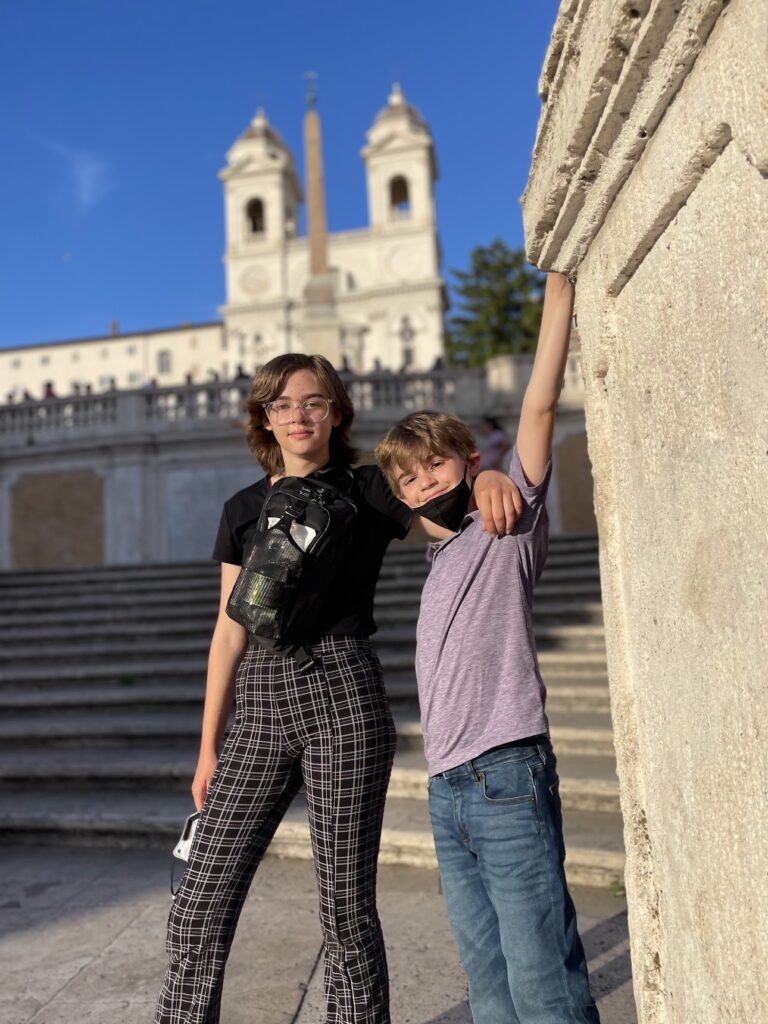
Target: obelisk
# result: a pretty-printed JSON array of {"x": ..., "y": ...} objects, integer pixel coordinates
[{"x": 321, "y": 329}]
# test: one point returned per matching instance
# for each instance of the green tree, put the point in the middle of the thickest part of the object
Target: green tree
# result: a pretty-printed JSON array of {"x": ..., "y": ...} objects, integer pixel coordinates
[{"x": 498, "y": 306}]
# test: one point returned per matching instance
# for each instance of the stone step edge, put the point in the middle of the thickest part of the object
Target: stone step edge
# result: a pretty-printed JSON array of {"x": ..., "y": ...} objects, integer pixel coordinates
[
  {"x": 195, "y": 662},
  {"x": 584, "y": 866},
  {"x": 391, "y": 570},
  {"x": 187, "y": 628},
  {"x": 567, "y": 739},
  {"x": 73, "y": 698},
  {"x": 591, "y": 795}
]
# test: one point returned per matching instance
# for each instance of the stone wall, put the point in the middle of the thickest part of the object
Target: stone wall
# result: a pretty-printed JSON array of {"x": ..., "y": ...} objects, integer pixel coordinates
[{"x": 649, "y": 179}]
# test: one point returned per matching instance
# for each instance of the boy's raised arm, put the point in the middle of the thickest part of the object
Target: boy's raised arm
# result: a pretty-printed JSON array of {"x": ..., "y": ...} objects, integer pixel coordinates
[{"x": 537, "y": 417}]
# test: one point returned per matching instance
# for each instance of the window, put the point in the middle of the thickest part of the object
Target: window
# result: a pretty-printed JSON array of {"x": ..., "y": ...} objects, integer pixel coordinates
[
  {"x": 134, "y": 378},
  {"x": 254, "y": 211},
  {"x": 164, "y": 361},
  {"x": 130, "y": 350},
  {"x": 44, "y": 360},
  {"x": 15, "y": 363},
  {"x": 75, "y": 357},
  {"x": 399, "y": 199},
  {"x": 105, "y": 353}
]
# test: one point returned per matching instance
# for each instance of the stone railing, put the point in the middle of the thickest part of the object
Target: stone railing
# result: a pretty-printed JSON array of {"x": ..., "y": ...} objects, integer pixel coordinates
[
  {"x": 379, "y": 399},
  {"x": 377, "y": 396}
]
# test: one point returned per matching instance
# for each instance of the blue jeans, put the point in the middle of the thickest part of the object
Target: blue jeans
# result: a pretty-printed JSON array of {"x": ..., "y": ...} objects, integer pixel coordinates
[{"x": 498, "y": 834}]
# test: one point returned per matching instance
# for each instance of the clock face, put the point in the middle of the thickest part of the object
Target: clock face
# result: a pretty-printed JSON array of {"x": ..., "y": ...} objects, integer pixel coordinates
[
  {"x": 255, "y": 280},
  {"x": 401, "y": 262}
]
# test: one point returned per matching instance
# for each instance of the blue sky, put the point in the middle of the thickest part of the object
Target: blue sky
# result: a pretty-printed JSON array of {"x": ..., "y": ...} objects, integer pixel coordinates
[{"x": 117, "y": 115}]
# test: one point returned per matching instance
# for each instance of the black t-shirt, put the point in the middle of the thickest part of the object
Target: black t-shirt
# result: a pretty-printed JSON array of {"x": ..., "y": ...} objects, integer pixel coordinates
[{"x": 380, "y": 518}]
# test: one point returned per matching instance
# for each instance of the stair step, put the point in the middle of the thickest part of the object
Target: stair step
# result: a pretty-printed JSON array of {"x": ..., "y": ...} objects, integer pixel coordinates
[
  {"x": 398, "y": 557},
  {"x": 553, "y": 664},
  {"x": 202, "y": 613},
  {"x": 140, "y": 766},
  {"x": 153, "y": 820},
  {"x": 76, "y": 699},
  {"x": 587, "y": 734},
  {"x": 393, "y": 628}
]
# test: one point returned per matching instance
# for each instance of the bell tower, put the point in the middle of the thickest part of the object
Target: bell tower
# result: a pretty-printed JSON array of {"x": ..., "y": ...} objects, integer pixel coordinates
[
  {"x": 261, "y": 199},
  {"x": 400, "y": 167}
]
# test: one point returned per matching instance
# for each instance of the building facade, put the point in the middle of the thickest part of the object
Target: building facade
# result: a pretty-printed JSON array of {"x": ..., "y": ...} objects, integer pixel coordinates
[{"x": 387, "y": 289}]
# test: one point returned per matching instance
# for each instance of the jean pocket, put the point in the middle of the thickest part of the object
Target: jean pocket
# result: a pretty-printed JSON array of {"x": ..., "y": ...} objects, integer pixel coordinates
[{"x": 509, "y": 784}]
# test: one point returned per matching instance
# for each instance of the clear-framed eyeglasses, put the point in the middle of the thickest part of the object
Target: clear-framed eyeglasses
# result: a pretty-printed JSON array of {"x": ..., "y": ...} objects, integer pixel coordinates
[{"x": 281, "y": 411}]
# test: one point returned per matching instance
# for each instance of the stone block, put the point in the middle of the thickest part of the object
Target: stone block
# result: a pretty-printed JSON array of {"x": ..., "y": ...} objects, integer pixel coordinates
[{"x": 57, "y": 519}]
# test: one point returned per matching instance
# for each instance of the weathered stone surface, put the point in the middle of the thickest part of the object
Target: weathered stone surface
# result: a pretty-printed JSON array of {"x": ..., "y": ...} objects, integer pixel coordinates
[
  {"x": 665, "y": 215},
  {"x": 74, "y": 501}
]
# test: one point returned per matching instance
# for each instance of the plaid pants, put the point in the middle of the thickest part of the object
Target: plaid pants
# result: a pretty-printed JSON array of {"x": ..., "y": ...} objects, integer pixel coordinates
[{"x": 331, "y": 729}]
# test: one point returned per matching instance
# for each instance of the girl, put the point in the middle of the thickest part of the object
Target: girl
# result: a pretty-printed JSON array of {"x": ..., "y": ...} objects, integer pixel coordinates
[{"x": 328, "y": 727}]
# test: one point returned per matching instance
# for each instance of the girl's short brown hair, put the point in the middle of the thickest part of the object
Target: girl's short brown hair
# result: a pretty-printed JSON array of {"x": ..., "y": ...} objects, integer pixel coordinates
[
  {"x": 418, "y": 437},
  {"x": 268, "y": 384}
]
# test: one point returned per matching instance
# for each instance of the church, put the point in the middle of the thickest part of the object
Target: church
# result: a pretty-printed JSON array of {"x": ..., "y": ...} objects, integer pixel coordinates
[{"x": 370, "y": 298}]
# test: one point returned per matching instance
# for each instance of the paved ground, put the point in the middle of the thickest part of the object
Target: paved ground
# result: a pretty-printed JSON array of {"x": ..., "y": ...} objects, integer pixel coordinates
[{"x": 82, "y": 942}]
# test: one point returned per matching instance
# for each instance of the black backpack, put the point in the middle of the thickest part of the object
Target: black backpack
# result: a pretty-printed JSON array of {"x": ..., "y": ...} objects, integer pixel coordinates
[{"x": 304, "y": 531}]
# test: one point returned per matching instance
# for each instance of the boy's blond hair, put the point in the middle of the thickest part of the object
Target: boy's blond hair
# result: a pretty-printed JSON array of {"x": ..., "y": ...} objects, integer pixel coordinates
[{"x": 419, "y": 437}]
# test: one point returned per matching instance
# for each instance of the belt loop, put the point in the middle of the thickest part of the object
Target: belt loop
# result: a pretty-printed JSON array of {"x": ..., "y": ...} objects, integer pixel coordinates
[
  {"x": 542, "y": 753},
  {"x": 473, "y": 771}
]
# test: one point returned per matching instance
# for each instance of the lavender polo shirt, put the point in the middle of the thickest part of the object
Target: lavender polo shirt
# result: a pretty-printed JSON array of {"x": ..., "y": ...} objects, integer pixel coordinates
[{"x": 476, "y": 665}]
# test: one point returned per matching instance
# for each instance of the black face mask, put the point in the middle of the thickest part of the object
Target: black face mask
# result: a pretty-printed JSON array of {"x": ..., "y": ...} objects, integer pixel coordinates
[{"x": 448, "y": 509}]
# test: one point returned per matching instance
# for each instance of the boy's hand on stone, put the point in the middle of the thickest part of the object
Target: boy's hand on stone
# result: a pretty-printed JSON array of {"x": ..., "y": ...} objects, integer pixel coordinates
[{"x": 498, "y": 502}]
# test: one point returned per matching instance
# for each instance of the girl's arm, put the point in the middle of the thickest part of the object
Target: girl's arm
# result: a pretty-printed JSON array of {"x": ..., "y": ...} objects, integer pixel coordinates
[
  {"x": 227, "y": 648},
  {"x": 537, "y": 417}
]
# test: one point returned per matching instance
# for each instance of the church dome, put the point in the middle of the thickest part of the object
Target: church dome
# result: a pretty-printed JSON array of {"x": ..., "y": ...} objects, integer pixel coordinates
[
  {"x": 398, "y": 115},
  {"x": 259, "y": 147},
  {"x": 260, "y": 128}
]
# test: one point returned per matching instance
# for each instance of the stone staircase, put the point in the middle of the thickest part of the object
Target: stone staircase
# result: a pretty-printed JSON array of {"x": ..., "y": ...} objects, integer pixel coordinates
[{"x": 101, "y": 683}]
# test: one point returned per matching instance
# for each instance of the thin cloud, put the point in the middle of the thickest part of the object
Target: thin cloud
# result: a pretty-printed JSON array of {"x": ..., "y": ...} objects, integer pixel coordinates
[{"x": 90, "y": 174}]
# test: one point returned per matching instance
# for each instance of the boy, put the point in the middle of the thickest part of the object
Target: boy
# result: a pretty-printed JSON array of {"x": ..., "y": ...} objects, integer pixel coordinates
[{"x": 493, "y": 796}]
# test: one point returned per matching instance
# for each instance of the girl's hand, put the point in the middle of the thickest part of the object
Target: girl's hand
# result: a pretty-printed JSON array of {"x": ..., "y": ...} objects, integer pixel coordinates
[
  {"x": 498, "y": 502},
  {"x": 206, "y": 766}
]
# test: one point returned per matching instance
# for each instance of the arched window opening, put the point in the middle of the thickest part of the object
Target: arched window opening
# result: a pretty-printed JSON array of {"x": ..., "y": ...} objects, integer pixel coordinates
[
  {"x": 399, "y": 199},
  {"x": 164, "y": 361},
  {"x": 254, "y": 211}
]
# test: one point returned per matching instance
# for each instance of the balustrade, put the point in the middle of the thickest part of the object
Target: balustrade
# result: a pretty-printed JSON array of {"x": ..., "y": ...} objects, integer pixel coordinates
[{"x": 377, "y": 397}]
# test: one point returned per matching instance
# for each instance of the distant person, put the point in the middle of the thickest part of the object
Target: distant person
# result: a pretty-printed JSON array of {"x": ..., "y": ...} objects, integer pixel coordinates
[
  {"x": 89, "y": 389},
  {"x": 240, "y": 374},
  {"x": 76, "y": 389},
  {"x": 493, "y": 443},
  {"x": 28, "y": 397},
  {"x": 48, "y": 391},
  {"x": 493, "y": 784}
]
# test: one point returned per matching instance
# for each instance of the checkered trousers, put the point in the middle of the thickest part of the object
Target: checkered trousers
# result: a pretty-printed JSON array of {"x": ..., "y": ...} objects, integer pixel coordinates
[{"x": 332, "y": 730}]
